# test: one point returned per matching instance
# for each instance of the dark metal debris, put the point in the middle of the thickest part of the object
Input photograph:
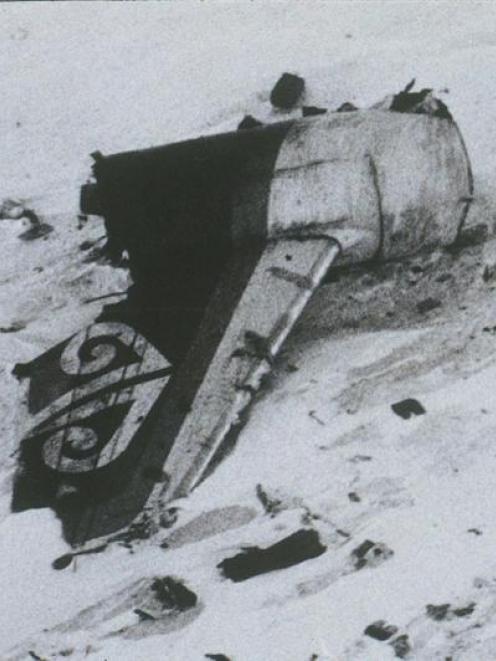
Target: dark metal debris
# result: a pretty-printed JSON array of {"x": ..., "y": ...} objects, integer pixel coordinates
[
  {"x": 422, "y": 102},
  {"x": 401, "y": 646},
  {"x": 346, "y": 107},
  {"x": 408, "y": 407},
  {"x": 380, "y": 630},
  {"x": 370, "y": 554},
  {"x": 298, "y": 547},
  {"x": 310, "y": 111},
  {"x": 427, "y": 305},
  {"x": 173, "y": 595},
  {"x": 437, "y": 613},
  {"x": 287, "y": 91}
]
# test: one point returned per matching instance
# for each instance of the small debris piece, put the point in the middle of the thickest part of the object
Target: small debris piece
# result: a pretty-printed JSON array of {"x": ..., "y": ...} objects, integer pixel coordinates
[
  {"x": 287, "y": 91},
  {"x": 312, "y": 414},
  {"x": 143, "y": 615},
  {"x": 380, "y": 630},
  {"x": 271, "y": 505},
  {"x": 33, "y": 655},
  {"x": 63, "y": 561},
  {"x": 168, "y": 518},
  {"x": 13, "y": 328},
  {"x": 465, "y": 611},
  {"x": 475, "y": 531},
  {"x": 422, "y": 102},
  {"x": 249, "y": 122},
  {"x": 36, "y": 232},
  {"x": 311, "y": 111},
  {"x": 470, "y": 236},
  {"x": 401, "y": 646},
  {"x": 370, "y": 554},
  {"x": 427, "y": 305},
  {"x": 408, "y": 407},
  {"x": 437, "y": 613},
  {"x": 354, "y": 497},
  {"x": 298, "y": 547},
  {"x": 346, "y": 107},
  {"x": 173, "y": 595},
  {"x": 217, "y": 657},
  {"x": 86, "y": 245}
]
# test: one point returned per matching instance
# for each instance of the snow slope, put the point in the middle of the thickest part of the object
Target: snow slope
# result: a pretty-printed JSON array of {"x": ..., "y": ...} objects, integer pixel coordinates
[{"x": 83, "y": 76}]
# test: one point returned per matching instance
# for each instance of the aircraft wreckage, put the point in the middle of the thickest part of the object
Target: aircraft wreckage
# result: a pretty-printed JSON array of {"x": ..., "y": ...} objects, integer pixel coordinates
[{"x": 228, "y": 236}]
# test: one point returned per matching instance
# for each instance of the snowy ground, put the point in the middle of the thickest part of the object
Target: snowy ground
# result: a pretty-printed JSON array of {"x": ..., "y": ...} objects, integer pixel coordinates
[{"x": 83, "y": 76}]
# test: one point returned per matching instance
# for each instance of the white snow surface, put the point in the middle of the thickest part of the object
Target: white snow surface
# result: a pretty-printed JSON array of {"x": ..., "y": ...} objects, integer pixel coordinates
[{"x": 77, "y": 77}]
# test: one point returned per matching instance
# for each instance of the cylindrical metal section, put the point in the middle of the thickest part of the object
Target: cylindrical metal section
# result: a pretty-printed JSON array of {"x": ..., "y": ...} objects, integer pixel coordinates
[{"x": 338, "y": 174}]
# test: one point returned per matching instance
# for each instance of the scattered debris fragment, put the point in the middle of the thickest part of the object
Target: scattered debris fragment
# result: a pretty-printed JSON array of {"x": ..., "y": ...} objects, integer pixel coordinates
[
  {"x": 13, "y": 328},
  {"x": 249, "y": 122},
  {"x": 287, "y": 91},
  {"x": 311, "y": 111},
  {"x": 36, "y": 232},
  {"x": 358, "y": 458},
  {"x": 173, "y": 594},
  {"x": 312, "y": 414},
  {"x": 465, "y": 611},
  {"x": 446, "y": 612},
  {"x": 474, "y": 235},
  {"x": 169, "y": 517},
  {"x": 475, "y": 531},
  {"x": 217, "y": 657},
  {"x": 437, "y": 613},
  {"x": 346, "y": 107},
  {"x": 408, "y": 408},
  {"x": 422, "y": 102},
  {"x": 33, "y": 655},
  {"x": 143, "y": 615},
  {"x": 427, "y": 305},
  {"x": 380, "y": 630},
  {"x": 370, "y": 554},
  {"x": 298, "y": 547},
  {"x": 272, "y": 506},
  {"x": 354, "y": 497},
  {"x": 401, "y": 646}
]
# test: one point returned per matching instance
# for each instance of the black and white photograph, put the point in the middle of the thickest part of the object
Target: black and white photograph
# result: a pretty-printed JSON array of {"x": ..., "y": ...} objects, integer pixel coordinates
[{"x": 247, "y": 330}]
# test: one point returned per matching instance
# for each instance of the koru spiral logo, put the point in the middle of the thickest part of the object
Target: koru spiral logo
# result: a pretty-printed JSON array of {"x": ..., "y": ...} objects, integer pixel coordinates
[{"x": 89, "y": 396}]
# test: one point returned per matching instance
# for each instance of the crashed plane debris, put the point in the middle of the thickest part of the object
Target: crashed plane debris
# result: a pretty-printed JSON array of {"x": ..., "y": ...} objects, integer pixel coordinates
[{"x": 228, "y": 236}]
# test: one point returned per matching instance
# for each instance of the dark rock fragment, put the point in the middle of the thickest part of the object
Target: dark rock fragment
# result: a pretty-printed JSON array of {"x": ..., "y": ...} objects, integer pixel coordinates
[
  {"x": 311, "y": 111},
  {"x": 380, "y": 630},
  {"x": 346, "y": 107},
  {"x": 465, "y": 611},
  {"x": 298, "y": 547},
  {"x": 287, "y": 91},
  {"x": 422, "y": 102},
  {"x": 36, "y": 232},
  {"x": 217, "y": 657},
  {"x": 354, "y": 497},
  {"x": 401, "y": 646},
  {"x": 249, "y": 122},
  {"x": 427, "y": 305},
  {"x": 143, "y": 615},
  {"x": 271, "y": 505},
  {"x": 408, "y": 407},
  {"x": 370, "y": 554},
  {"x": 437, "y": 613},
  {"x": 173, "y": 595},
  {"x": 470, "y": 236}
]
